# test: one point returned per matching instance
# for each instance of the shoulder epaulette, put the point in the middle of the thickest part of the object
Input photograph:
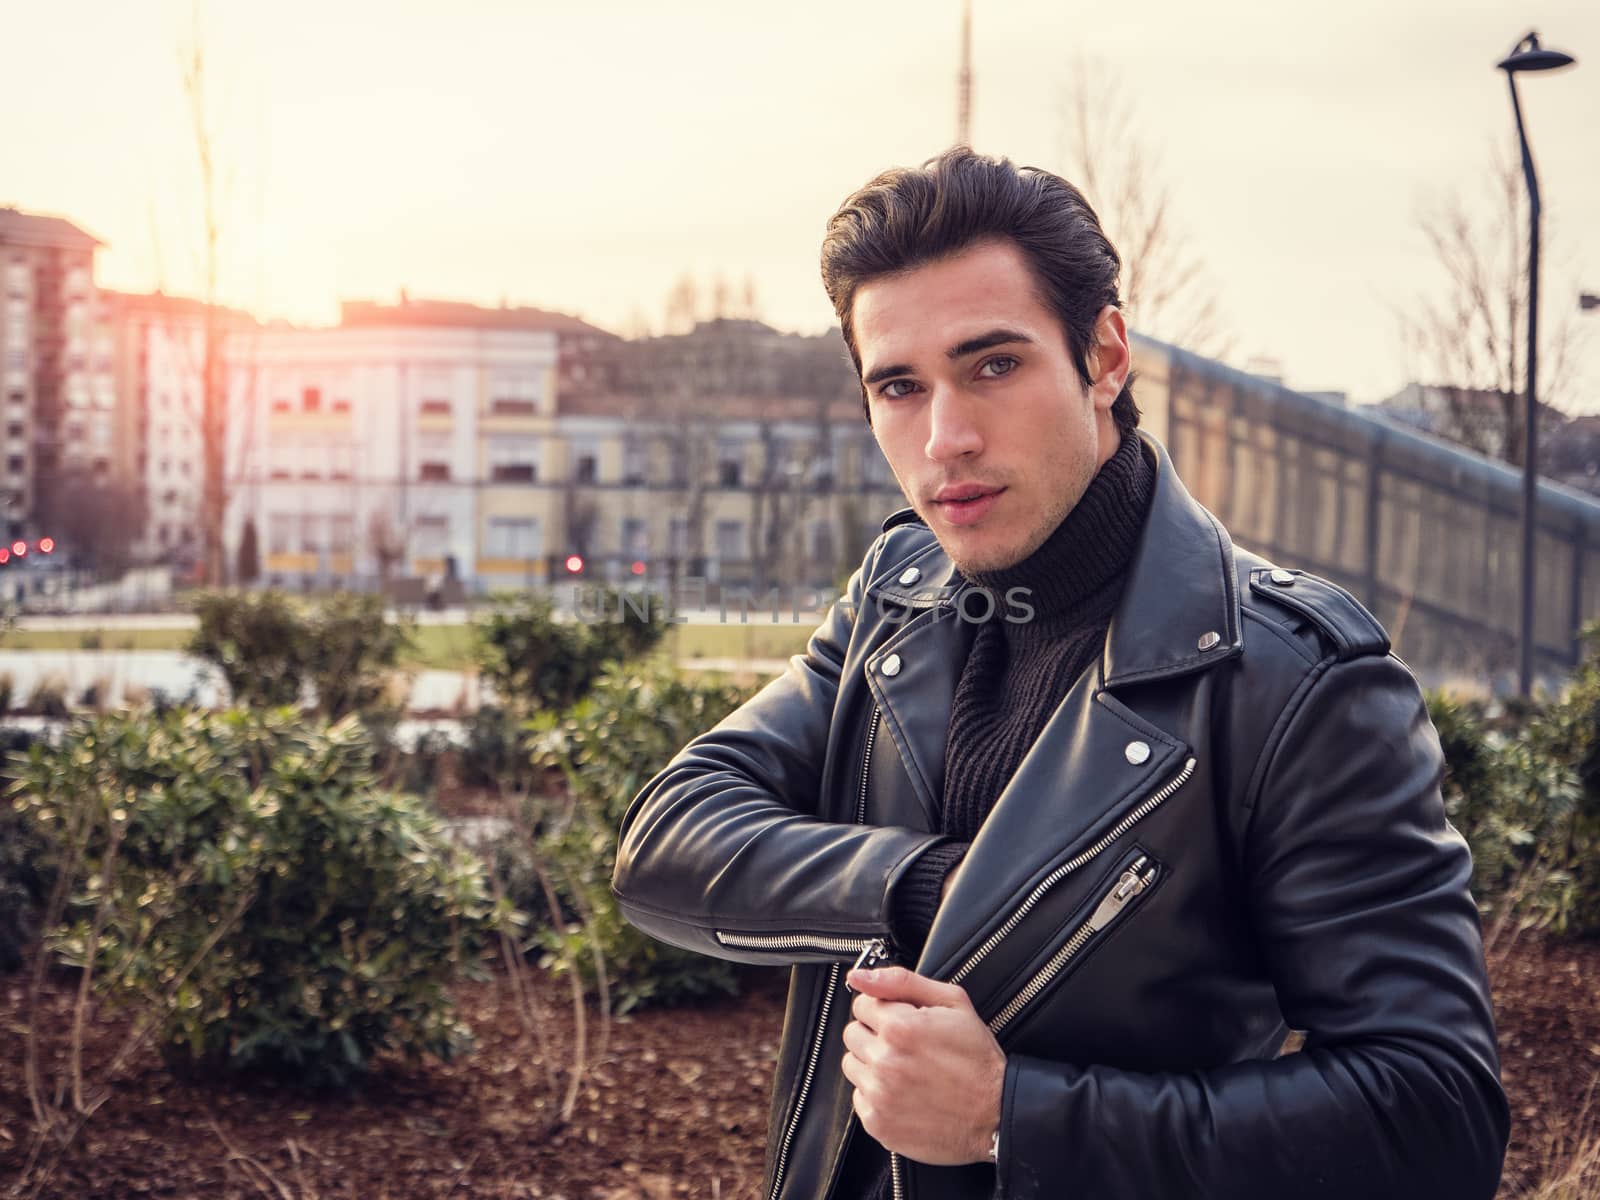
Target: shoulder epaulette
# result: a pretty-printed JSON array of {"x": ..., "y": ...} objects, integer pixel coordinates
[{"x": 1340, "y": 616}]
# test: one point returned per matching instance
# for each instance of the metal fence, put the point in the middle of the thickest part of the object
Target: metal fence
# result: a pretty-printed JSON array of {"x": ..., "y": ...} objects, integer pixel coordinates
[{"x": 1427, "y": 535}]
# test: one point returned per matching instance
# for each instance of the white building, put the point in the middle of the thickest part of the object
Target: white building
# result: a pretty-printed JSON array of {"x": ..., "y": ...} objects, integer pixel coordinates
[{"x": 375, "y": 450}]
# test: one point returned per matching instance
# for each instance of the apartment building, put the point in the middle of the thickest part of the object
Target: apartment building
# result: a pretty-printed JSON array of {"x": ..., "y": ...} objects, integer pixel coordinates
[
  {"x": 158, "y": 355},
  {"x": 513, "y": 448},
  {"x": 384, "y": 449},
  {"x": 58, "y": 415}
]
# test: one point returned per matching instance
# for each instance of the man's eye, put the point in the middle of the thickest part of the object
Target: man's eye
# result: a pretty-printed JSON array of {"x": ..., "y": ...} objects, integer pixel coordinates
[
  {"x": 888, "y": 391},
  {"x": 1002, "y": 365}
]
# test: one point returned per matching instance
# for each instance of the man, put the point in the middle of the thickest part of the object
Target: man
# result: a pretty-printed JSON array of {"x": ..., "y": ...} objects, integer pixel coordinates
[{"x": 1098, "y": 805}]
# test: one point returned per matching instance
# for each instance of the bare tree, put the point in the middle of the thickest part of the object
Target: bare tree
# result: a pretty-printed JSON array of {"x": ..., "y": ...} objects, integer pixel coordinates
[
  {"x": 1473, "y": 339},
  {"x": 1165, "y": 289},
  {"x": 213, "y": 398}
]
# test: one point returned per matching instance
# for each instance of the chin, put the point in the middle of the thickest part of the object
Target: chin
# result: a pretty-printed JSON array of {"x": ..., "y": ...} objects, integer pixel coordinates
[{"x": 981, "y": 558}]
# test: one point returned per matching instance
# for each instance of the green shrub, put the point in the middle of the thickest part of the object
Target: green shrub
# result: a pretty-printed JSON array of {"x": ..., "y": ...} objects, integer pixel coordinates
[
  {"x": 257, "y": 892},
  {"x": 496, "y": 753},
  {"x": 27, "y": 864},
  {"x": 352, "y": 650},
  {"x": 607, "y": 747},
  {"x": 49, "y": 697},
  {"x": 257, "y": 641},
  {"x": 269, "y": 650},
  {"x": 538, "y": 663}
]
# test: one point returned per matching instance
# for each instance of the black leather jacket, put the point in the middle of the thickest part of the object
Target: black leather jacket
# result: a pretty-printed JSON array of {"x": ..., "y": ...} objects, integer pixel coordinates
[{"x": 1231, "y": 825}]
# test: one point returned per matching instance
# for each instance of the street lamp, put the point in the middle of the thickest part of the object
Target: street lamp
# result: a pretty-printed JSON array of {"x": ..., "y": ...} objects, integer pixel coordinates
[{"x": 1528, "y": 55}]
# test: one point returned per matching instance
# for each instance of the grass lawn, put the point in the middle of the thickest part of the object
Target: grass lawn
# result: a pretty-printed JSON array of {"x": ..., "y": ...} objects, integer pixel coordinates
[
  {"x": 94, "y": 639},
  {"x": 446, "y": 647}
]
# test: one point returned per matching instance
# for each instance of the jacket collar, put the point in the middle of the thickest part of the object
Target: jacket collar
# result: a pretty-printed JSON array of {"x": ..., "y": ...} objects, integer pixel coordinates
[{"x": 1179, "y": 610}]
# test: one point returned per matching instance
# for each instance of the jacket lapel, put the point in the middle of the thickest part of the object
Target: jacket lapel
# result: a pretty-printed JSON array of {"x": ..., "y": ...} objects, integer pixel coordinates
[
  {"x": 913, "y": 675},
  {"x": 1096, "y": 758}
]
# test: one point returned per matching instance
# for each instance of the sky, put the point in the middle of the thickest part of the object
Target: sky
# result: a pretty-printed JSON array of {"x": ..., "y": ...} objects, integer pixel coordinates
[{"x": 584, "y": 156}]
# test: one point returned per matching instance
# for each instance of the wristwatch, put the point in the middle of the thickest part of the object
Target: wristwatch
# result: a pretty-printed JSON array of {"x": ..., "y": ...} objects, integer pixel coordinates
[{"x": 994, "y": 1147}]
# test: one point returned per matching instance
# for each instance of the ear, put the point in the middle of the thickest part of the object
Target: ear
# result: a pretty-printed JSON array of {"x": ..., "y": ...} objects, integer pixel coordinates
[{"x": 1109, "y": 357}]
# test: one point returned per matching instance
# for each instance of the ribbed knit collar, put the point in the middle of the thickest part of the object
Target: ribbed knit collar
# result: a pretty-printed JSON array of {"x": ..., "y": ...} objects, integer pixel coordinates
[{"x": 1077, "y": 573}]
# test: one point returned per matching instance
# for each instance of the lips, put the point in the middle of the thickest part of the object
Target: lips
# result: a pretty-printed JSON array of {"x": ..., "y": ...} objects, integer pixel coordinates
[{"x": 965, "y": 503}]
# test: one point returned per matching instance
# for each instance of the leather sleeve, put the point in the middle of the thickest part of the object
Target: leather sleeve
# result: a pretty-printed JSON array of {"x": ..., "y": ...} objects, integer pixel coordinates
[
  {"x": 1359, "y": 891},
  {"x": 726, "y": 837}
]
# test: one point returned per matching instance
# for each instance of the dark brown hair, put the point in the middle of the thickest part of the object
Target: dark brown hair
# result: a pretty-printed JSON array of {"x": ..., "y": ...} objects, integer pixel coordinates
[{"x": 910, "y": 216}]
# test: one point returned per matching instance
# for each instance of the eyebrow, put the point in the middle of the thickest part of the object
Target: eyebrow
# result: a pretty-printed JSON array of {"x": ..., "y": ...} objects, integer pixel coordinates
[{"x": 984, "y": 341}]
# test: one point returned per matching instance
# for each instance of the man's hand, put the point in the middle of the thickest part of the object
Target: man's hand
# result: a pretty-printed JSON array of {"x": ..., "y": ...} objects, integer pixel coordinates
[{"x": 927, "y": 1072}]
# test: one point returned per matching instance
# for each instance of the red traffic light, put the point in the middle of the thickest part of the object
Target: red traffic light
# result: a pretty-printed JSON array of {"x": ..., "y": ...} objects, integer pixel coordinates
[
  {"x": 5, "y": 555},
  {"x": 574, "y": 563},
  {"x": 46, "y": 545},
  {"x": 19, "y": 548}
]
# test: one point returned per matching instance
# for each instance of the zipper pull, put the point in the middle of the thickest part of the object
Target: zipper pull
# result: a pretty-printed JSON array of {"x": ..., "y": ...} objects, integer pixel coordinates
[
  {"x": 875, "y": 952},
  {"x": 1131, "y": 882}
]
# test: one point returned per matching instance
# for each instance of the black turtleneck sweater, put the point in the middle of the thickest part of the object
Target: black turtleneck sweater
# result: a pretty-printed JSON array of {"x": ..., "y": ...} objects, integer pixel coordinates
[{"x": 1015, "y": 676}]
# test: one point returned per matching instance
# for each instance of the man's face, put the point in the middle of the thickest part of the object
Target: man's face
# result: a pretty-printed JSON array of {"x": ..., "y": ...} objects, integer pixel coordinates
[{"x": 976, "y": 403}]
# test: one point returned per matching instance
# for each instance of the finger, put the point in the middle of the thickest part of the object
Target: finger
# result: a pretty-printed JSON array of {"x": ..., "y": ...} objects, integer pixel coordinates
[
  {"x": 897, "y": 983},
  {"x": 859, "y": 1041},
  {"x": 853, "y": 1069},
  {"x": 872, "y": 1012}
]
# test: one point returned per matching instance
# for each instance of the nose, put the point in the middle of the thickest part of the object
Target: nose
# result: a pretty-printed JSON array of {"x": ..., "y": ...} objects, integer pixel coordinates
[{"x": 952, "y": 428}]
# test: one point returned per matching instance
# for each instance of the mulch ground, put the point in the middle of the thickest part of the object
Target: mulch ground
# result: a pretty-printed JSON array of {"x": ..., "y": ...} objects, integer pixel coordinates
[{"x": 675, "y": 1107}]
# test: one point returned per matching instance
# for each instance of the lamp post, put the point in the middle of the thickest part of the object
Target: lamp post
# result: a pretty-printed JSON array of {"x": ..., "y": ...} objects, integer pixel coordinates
[{"x": 1528, "y": 55}]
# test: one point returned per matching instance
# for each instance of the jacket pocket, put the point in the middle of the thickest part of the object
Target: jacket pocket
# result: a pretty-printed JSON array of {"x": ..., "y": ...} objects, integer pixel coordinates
[{"x": 1109, "y": 907}]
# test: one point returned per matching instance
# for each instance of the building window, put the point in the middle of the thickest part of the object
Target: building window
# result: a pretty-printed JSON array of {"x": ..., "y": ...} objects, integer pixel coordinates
[
  {"x": 509, "y": 406},
  {"x": 635, "y": 537},
  {"x": 280, "y": 528},
  {"x": 434, "y": 472},
  {"x": 632, "y": 460},
  {"x": 280, "y": 404},
  {"x": 585, "y": 452},
  {"x": 514, "y": 395},
  {"x": 678, "y": 536},
  {"x": 874, "y": 468},
  {"x": 513, "y": 460},
  {"x": 730, "y": 463},
  {"x": 16, "y": 429},
  {"x": 341, "y": 533},
  {"x": 310, "y": 533},
  {"x": 822, "y": 468},
  {"x": 311, "y": 399},
  {"x": 821, "y": 550},
  {"x": 730, "y": 539},
  {"x": 432, "y": 537},
  {"x": 434, "y": 408},
  {"x": 512, "y": 537},
  {"x": 341, "y": 405},
  {"x": 15, "y": 464}
]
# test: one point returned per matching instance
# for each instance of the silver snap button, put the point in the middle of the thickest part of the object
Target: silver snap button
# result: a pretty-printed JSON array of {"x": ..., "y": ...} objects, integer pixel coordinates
[
  {"x": 890, "y": 666},
  {"x": 1282, "y": 578},
  {"x": 1209, "y": 641},
  {"x": 1137, "y": 752},
  {"x": 910, "y": 575}
]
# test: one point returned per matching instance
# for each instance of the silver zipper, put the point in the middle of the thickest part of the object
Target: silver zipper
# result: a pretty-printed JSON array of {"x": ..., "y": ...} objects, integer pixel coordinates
[
  {"x": 1145, "y": 808},
  {"x": 782, "y": 1164},
  {"x": 820, "y": 942},
  {"x": 1105, "y": 913},
  {"x": 1132, "y": 882}
]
